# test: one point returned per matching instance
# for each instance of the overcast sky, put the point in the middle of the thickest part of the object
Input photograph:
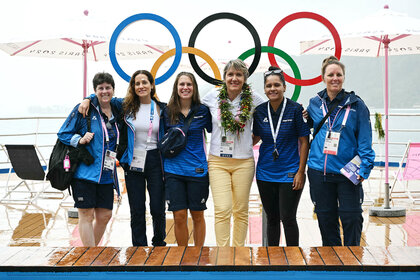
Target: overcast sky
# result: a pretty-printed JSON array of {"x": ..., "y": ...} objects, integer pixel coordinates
[{"x": 29, "y": 81}]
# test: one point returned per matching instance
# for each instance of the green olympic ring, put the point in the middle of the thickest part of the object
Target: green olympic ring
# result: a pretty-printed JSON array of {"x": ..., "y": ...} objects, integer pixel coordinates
[{"x": 286, "y": 57}]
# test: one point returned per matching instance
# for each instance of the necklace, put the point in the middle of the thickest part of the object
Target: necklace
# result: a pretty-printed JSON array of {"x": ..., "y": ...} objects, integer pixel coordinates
[{"x": 235, "y": 124}]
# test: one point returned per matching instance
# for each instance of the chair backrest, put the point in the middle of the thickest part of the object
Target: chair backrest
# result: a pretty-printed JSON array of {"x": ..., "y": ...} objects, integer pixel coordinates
[
  {"x": 412, "y": 165},
  {"x": 25, "y": 162}
]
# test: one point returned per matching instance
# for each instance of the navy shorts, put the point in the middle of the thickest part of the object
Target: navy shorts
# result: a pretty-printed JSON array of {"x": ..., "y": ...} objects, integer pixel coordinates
[
  {"x": 185, "y": 192},
  {"x": 87, "y": 194}
]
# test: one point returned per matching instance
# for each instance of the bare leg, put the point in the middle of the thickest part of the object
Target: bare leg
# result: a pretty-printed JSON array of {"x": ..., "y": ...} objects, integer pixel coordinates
[
  {"x": 199, "y": 227},
  {"x": 181, "y": 227},
  {"x": 102, "y": 217},
  {"x": 86, "y": 226}
]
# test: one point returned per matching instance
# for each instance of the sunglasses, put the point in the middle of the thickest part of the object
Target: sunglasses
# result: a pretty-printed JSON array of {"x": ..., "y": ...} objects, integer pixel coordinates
[{"x": 276, "y": 71}]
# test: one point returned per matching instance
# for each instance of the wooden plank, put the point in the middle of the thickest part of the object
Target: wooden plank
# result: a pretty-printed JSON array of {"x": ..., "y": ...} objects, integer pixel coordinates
[
  {"x": 174, "y": 256},
  {"x": 32, "y": 225},
  {"x": 208, "y": 256},
  {"x": 294, "y": 256},
  {"x": 242, "y": 256},
  {"x": 404, "y": 260},
  {"x": 277, "y": 256},
  {"x": 39, "y": 257},
  {"x": 140, "y": 256},
  {"x": 191, "y": 256},
  {"x": 312, "y": 258},
  {"x": 123, "y": 256},
  {"x": 329, "y": 256},
  {"x": 72, "y": 256},
  {"x": 346, "y": 256},
  {"x": 89, "y": 256},
  {"x": 157, "y": 256},
  {"x": 170, "y": 232},
  {"x": 106, "y": 256},
  {"x": 190, "y": 232},
  {"x": 56, "y": 256},
  {"x": 8, "y": 252},
  {"x": 414, "y": 253},
  {"x": 225, "y": 256},
  {"x": 20, "y": 257},
  {"x": 383, "y": 258},
  {"x": 363, "y": 255},
  {"x": 260, "y": 256}
]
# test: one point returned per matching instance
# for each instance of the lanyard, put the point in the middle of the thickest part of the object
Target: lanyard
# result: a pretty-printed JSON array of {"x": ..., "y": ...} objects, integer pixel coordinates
[
  {"x": 152, "y": 115},
  {"x": 343, "y": 124},
  {"x": 276, "y": 132},
  {"x": 106, "y": 133}
]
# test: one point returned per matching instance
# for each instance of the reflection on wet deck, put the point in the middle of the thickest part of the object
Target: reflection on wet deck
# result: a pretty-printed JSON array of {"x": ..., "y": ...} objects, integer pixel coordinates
[
  {"x": 47, "y": 224},
  {"x": 47, "y": 259}
]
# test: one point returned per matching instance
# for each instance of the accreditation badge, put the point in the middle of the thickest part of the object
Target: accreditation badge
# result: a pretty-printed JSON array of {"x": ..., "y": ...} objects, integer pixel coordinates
[
  {"x": 226, "y": 146},
  {"x": 331, "y": 143},
  {"x": 139, "y": 160},
  {"x": 110, "y": 158}
]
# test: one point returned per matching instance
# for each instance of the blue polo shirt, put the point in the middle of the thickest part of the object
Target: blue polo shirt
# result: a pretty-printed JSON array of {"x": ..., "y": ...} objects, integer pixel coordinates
[
  {"x": 192, "y": 160},
  {"x": 292, "y": 127}
]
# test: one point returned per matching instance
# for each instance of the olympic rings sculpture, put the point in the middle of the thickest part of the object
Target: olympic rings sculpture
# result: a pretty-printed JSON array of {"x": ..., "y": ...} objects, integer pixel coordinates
[
  {"x": 190, "y": 50},
  {"x": 217, "y": 80},
  {"x": 283, "y": 55}
]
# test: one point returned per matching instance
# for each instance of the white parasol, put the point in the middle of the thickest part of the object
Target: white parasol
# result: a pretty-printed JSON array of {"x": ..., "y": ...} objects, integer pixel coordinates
[{"x": 85, "y": 41}]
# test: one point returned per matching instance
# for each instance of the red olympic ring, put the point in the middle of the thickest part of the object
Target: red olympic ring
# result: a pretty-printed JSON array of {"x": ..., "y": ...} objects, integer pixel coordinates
[{"x": 290, "y": 18}]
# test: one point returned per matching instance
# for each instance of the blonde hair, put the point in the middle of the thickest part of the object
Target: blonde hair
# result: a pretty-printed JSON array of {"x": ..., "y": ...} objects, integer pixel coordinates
[
  {"x": 236, "y": 64},
  {"x": 332, "y": 60}
]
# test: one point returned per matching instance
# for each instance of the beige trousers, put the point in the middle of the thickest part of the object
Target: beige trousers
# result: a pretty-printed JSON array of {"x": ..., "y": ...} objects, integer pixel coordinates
[{"x": 230, "y": 182}]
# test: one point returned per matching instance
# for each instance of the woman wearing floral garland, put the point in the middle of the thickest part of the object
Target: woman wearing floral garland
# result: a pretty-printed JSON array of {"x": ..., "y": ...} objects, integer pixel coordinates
[{"x": 231, "y": 159}]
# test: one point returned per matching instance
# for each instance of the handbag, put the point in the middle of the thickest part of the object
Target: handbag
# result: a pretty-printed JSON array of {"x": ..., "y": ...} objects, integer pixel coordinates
[
  {"x": 64, "y": 161},
  {"x": 175, "y": 139}
]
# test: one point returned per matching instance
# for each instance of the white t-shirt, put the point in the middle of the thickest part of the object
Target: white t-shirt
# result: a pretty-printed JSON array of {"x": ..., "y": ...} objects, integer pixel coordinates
[
  {"x": 142, "y": 125},
  {"x": 243, "y": 143}
]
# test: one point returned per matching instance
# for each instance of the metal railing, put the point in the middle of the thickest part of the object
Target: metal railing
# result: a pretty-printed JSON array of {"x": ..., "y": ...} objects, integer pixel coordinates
[
  {"x": 33, "y": 135},
  {"x": 28, "y": 130}
]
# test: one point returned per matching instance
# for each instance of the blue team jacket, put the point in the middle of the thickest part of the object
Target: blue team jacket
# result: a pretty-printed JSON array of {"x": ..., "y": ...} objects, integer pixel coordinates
[
  {"x": 74, "y": 128},
  {"x": 355, "y": 139},
  {"x": 127, "y": 156}
]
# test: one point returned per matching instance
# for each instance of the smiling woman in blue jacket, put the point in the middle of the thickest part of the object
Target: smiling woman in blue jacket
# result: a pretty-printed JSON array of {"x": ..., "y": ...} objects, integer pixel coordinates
[
  {"x": 139, "y": 156},
  {"x": 92, "y": 185},
  {"x": 186, "y": 174},
  {"x": 141, "y": 159},
  {"x": 346, "y": 133}
]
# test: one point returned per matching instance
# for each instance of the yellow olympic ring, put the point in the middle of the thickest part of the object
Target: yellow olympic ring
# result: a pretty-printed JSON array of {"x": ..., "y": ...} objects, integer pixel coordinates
[{"x": 190, "y": 50}]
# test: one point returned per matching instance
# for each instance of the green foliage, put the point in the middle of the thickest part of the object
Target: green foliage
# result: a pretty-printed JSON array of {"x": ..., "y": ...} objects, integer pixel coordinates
[{"x": 378, "y": 126}]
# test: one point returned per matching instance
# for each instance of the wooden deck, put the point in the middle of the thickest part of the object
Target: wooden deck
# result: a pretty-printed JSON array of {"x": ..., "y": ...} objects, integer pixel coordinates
[
  {"x": 41, "y": 237},
  {"x": 47, "y": 259}
]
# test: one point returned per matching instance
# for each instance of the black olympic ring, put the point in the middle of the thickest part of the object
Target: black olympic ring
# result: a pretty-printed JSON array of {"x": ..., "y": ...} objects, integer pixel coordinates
[{"x": 214, "y": 17}]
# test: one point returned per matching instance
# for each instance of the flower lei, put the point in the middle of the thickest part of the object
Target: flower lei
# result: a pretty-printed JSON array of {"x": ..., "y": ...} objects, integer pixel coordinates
[{"x": 229, "y": 122}]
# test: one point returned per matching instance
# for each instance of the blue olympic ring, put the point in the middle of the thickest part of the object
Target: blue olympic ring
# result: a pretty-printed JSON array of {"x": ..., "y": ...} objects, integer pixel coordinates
[{"x": 143, "y": 16}]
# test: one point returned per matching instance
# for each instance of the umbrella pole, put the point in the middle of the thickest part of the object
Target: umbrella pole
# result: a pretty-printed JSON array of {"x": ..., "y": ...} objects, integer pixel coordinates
[
  {"x": 386, "y": 211},
  {"x": 85, "y": 49},
  {"x": 386, "y": 45}
]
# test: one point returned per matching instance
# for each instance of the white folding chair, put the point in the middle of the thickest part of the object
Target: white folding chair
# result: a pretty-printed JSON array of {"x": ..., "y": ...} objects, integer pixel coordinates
[{"x": 409, "y": 172}]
